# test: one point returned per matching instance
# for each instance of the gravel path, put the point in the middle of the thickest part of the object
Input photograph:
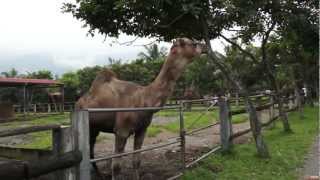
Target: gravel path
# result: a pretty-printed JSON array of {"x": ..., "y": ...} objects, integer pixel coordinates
[{"x": 311, "y": 167}]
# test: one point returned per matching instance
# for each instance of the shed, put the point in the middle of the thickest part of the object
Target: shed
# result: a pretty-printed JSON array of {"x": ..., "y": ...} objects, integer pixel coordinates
[{"x": 27, "y": 84}]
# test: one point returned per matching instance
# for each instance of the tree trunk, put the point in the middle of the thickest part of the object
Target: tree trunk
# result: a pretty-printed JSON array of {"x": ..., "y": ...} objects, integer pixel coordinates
[
  {"x": 283, "y": 114},
  {"x": 255, "y": 124},
  {"x": 254, "y": 121}
]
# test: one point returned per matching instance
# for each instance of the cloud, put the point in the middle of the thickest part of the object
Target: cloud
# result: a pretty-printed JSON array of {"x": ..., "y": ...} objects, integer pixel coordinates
[{"x": 38, "y": 36}]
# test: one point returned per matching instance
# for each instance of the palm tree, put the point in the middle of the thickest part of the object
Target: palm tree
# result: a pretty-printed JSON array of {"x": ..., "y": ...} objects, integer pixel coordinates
[
  {"x": 12, "y": 73},
  {"x": 153, "y": 52}
]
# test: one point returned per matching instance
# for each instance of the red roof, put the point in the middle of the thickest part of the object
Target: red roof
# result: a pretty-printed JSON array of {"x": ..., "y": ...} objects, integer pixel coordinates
[{"x": 22, "y": 81}]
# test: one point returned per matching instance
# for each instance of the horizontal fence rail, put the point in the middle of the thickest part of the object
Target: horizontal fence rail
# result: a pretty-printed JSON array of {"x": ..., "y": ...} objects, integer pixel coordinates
[
  {"x": 134, "y": 152},
  {"x": 17, "y": 170},
  {"x": 130, "y": 109},
  {"x": 31, "y": 129}
]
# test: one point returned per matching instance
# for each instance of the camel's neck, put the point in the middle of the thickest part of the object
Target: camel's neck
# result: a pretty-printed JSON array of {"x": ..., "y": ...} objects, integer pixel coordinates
[{"x": 162, "y": 87}]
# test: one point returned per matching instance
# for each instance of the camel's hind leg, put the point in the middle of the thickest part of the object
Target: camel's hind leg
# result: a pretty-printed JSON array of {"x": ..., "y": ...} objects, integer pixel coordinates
[
  {"x": 119, "y": 146},
  {"x": 136, "y": 162}
]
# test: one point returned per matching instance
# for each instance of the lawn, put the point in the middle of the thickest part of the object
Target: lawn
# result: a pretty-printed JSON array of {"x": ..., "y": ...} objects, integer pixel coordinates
[
  {"x": 287, "y": 154},
  {"x": 197, "y": 118},
  {"x": 43, "y": 139}
]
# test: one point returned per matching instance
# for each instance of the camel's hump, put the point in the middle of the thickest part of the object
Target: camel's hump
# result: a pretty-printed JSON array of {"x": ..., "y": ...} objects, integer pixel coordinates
[{"x": 105, "y": 76}]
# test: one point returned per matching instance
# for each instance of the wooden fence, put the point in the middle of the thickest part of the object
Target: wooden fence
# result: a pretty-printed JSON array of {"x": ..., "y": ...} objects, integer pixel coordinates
[
  {"x": 65, "y": 155},
  {"x": 71, "y": 144}
]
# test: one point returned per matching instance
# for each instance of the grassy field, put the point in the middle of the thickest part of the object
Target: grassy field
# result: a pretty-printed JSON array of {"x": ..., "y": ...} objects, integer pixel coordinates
[
  {"x": 194, "y": 119},
  {"x": 39, "y": 140},
  {"x": 287, "y": 154}
]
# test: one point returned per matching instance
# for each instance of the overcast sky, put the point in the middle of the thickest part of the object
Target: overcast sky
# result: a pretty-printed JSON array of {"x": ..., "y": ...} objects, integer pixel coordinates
[{"x": 35, "y": 35}]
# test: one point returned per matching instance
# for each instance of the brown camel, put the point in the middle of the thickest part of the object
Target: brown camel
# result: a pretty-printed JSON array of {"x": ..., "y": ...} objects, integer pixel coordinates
[{"x": 109, "y": 92}]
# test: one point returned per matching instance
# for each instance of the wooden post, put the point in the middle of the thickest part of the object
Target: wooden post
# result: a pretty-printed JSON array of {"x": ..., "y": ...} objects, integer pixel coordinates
[
  {"x": 298, "y": 103},
  {"x": 24, "y": 101},
  {"x": 80, "y": 128},
  {"x": 62, "y": 143},
  {"x": 255, "y": 126},
  {"x": 182, "y": 138},
  {"x": 291, "y": 102},
  {"x": 62, "y": 99},
  {"x": 225, "y": 125},
  {"x": 271, "y": 112},
  {"x": 35, "y": 108},
  {"x": 49, "y": 108},
  {"x": 237, "y": 99},
  {"x": 259, "y": 103}
]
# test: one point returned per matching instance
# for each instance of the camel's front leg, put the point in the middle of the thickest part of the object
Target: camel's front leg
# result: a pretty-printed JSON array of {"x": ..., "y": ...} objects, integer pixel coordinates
[
  {"x": 119, "y": 146},
  {"x": 138, "y": 141}
]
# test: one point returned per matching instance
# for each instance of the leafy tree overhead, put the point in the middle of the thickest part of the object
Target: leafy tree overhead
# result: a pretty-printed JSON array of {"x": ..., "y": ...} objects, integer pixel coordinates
[
  {"x": 165, "y": 19},
  {"x": 86, "y": 76},
  {"x": 71, "y": 85},
  {"x": 9, "y": 94}
]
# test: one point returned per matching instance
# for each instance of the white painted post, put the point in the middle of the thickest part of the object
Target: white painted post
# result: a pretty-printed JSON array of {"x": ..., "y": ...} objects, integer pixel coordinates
[
  {"x": 80, "y": 128},
  {"x": 49, "y": 108},
  {"x": 35, "y": 108}
]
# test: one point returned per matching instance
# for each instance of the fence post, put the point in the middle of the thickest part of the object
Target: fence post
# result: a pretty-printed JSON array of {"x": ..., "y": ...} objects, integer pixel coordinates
[
  {"x": 62, "y": 142},
  {"x": 35, "y": 108},
  {"x": 80, "y": 128},
  {"x": 299, "y": 102},
  {"x": 182, "y": 138},
  {"x": 291, "y": 106},
  {"x": 271, "y": 111},
  {"x": 225, "y": 124},
  {"x": 49, "y": 108},
  {"x": 237, "y": 99}
]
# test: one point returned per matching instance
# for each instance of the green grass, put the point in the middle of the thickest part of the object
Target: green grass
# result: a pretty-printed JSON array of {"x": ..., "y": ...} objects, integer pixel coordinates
[
  {"x": 287, "y": 154},
  {"x": 43, "y": 139},
  {"x": 52, "y": 119},
  {"x": 153, "y": 131},
  {"x": 40, "y": 140},
  {"x": 192, "y": 120}
]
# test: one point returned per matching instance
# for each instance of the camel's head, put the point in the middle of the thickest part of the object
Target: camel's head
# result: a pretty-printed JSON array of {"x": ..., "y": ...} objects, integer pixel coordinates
[{"x": 187, "y": 49}]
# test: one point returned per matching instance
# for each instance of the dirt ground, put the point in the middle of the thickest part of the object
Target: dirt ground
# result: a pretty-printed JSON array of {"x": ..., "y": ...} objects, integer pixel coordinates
[{"x": 163, "y": 163}]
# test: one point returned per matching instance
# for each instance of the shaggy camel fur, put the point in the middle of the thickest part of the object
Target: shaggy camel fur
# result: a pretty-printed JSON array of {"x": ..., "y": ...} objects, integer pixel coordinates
[{"x": 109, "y": 92}]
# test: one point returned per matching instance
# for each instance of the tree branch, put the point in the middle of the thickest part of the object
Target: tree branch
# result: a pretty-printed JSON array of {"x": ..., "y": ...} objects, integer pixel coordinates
[
  {"x": 225, "y": 71},
  {"x": 173, "y": 21},
  {"x": 240, "y": 48},
  {"x": 264, "y": 56},
  {"x": 128, "y": 43}
]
